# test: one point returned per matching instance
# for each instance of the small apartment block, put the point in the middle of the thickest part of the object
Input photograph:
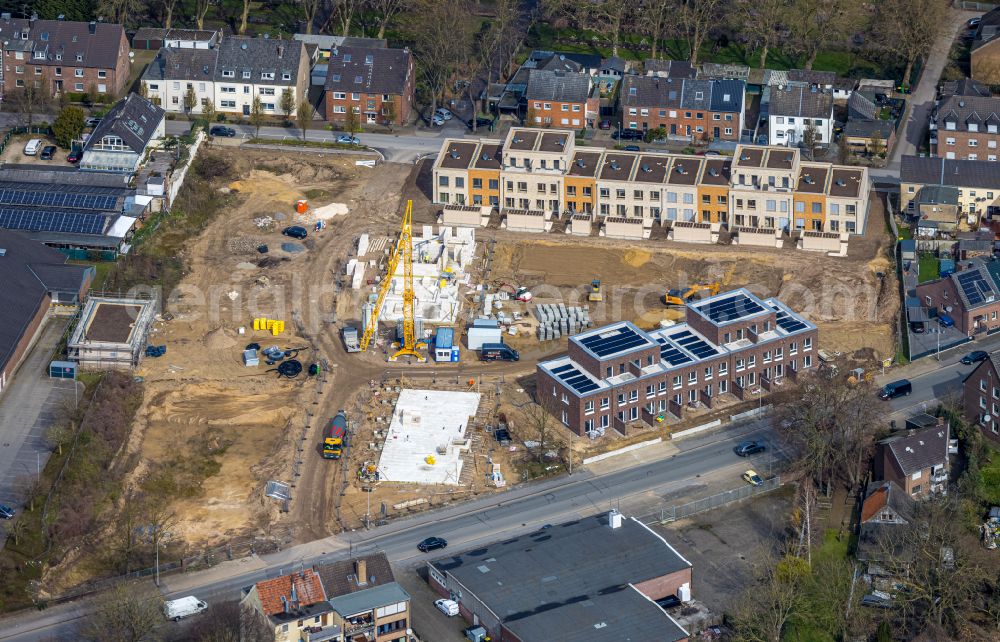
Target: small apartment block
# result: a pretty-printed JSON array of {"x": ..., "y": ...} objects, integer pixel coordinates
[
  {"x": 545, "y": 171},
  {"x": 688, "y": 109},
  {"x": 618, "y": 376}
]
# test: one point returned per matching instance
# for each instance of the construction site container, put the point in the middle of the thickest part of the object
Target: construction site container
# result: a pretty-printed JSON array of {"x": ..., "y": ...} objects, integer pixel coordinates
[
  {"x": 484, "y": 331},
  {"x": 302, "y": 206}
]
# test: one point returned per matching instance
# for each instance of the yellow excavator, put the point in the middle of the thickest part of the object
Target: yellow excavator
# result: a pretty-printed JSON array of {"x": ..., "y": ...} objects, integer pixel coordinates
[{"x": 683, "y": 296}]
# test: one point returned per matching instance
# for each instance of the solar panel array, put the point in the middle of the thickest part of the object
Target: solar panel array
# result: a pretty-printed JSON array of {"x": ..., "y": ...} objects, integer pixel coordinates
[
  {"x": 730, "y": 308},
  {"x": 787, "y": 322},
  {"x": 38, "y": 198},
  {"x": 975, "y": 287},
  {"x": 51, "y": 221},
  {"x": 614, "y": 341},
  {"x": 695, "y": 344},
  {"x": 75, "y": 189},
  {"x": 670, "y": 353},
  {"x": 572, "y": 377}
]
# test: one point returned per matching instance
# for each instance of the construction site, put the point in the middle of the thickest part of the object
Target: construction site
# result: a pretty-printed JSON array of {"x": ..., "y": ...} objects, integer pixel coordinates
[{"x": 269, "y": 337}]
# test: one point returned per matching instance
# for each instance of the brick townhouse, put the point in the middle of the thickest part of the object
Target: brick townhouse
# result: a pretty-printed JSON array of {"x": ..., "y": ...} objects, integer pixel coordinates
[
  {"x": 981, "y": 397},
  {"x": 970, "y": 296},
  {"x": 618, "y": 376},
  {"x": 64, "y": 56},
  {"x": 559, "y": 99},
  {"x": 376, "y": 83},
  {"x": 688, "y": 109},
  {"x": 967, "y": 128}
]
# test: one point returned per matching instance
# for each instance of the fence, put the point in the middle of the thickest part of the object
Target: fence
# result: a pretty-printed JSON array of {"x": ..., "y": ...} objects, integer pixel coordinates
[
  {"x": 674, "y": 513},
  {"x": 177, "y": 178},
  {"x": 14, "y": 131}
]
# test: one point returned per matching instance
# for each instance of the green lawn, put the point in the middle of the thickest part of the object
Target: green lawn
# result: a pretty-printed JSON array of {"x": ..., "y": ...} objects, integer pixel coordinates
[
  {"x": 905, "y": 232},
  {"x": 989, "y": 478},
  {"x": 928, "y": 267}
]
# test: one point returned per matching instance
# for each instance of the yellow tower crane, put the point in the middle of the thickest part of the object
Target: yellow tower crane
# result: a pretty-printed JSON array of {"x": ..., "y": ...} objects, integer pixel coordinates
[{"x": 402, "y": 252}]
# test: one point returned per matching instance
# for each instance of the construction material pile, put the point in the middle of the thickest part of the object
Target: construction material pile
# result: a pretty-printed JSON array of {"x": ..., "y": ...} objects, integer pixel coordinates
[{"x": 556, "y": 320}]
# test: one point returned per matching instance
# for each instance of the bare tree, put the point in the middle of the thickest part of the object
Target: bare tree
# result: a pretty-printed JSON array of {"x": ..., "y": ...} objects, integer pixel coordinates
[
  {"x": 256, "y": 115},
  {"x": 658, "y": 15},
  {"x": 208, "y": 110},
  {"x": 442, "y": 42},
  {"x": 244, "y": 15},
  {"x": 287, "y": 102},
  {"x": 810, "y": 140},
  {"x": 168, "y": 12},
  {"x": 763, "y": 611},
  {"x": 761, "y": 21},
  {"x": 695, "y": 18},
  {"x": 126, "y": 541},
  {"x": 201, "y": 10},
  {"x": 120, "y": 11},
  {"x": 303, "y": 116},
  {"x": 29, "y": 101},
  {"x": 503, "y": 37},
  {"x": 343, "y": 11},
  {"x": 126, "y": 613},
  {"x": 230, "y": 622},
  {"x": 310, "y": 8},
  {"x": 352, "y": 124},
  {"x": 387, "y": 10},
  {"x": 816, "y": 24},
  {"x": 605, "y": 16},
  {"x": 908, "y": 29}
]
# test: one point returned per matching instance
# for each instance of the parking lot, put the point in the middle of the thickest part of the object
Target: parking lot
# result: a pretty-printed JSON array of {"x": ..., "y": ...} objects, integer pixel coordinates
[
  {"x": 434, "y": 626},
  {"x": 14, "y": 152}
]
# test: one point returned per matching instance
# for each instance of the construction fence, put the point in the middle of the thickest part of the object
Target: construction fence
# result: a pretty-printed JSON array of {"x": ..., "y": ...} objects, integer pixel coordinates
[{"x": 674, "y": 513}]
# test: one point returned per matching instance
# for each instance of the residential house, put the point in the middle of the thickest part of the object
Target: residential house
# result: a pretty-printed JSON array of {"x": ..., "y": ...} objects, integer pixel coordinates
[
  {"x": 968, "y": 128},
  {"x": 155, "y": 38},
  {"x": 694, "y": 110},
  {"x": 613, "y": 67},
  {"x": 35, "y": 278},
  {"x": 618, "y": 376},
  {"x": 937, "y": 210},
  {"x": 120, "y": 141},
  {"x": 915, "y": 460},
  {"x": 559, "y": 99},
  {"x": 984, "y": 58},
  {"x": 325, "y": 45},
  {"x": 981, "y": 396},
  {"x": 367, "y": 603},
  {"x": 230, "y": 76},
  {"x": 677, "y": 69},
  {"x": 964, "y": 87},
  {"x": 978, "y": 183},
  {"x": 544, "y": 170},
  {"x": 589, "y": 64},
  {"x": 64, "y": 55},
  {"x": 600, "y": 577},
  {"x": 793, "y": 109},
  {"x": 885, "y": 512},
  {"x": 866, "y": 132},
  {"x": 292, "y": 605},
  {"x": 377, "y": 84},
  {"x": 970, "y": 296}
]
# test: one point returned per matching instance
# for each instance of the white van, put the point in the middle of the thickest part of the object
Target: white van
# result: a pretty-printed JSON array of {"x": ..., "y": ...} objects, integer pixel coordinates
[
  {"x": 32, "y": 146},
  {"x": 183, "y": 607},
  {"x": 448, "y": 607}
]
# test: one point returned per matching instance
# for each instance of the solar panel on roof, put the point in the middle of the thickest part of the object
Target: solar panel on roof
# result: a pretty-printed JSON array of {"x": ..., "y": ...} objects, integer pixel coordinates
[
  {"x": 614, "y": 341},
  {"x": 575, "y": 379},
  {"x": 57, "y": 199},
  {"x": 51, "y": 221},
  {"x": 561, "y": 369},
  {"x": 695, "y": 345},
  {"x": 974, "y": 286},
  {"x": 730, "y": 308}
]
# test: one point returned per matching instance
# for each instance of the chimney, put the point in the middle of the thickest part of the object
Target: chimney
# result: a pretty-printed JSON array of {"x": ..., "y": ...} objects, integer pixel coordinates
[
  {"x": 281, "y": 50},
  {"x": 361, "y": 571},
  {"x": 284, "y": 603},
  {"x": 295, "y": 595},
  {"x": 93, "y": 27}
]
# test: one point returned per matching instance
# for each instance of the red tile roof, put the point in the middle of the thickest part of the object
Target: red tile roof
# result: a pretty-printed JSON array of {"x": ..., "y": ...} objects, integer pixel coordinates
[
  {"x": 308, "y": 590},
  {"x": 874, "y": 503}
]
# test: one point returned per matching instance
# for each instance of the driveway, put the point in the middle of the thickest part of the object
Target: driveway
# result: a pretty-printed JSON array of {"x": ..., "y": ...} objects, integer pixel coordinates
[
  {"x": 922, "y": 99},
  {"x": 27, "y": 407}
]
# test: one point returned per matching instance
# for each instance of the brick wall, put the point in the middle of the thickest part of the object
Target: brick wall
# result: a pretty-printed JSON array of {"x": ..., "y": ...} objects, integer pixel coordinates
[{"x": 660, "y": 587}]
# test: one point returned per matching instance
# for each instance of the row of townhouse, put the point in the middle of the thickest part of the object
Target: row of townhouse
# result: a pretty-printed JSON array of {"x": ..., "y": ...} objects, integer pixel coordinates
[
  {"x": 686, "y": 108},
  {"x": 63, "y": 56},
  {"x": 759, "y": 187},
  {"x": 733, "y": 343},
  {"x": 942, "y": 191},
  {"x": 967, "y": 128},
  {"x": 229, "y": 76}
]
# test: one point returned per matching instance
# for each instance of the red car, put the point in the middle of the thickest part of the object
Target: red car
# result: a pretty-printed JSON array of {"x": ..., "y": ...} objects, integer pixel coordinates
[{"x": 74, "y": 156}]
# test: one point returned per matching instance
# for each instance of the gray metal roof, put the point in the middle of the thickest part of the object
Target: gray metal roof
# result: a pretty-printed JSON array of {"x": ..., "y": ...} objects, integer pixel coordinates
[
  {"x": 919, "y": 449},
  {"x": 557, "y": 86},
  {"x": 368, "y": 70},
  {"x": 562, "y": 582},
  {"x": 958, "y": 173},
  {"x": 802, "y": 101},
  {"x": 369, "y": 599}
]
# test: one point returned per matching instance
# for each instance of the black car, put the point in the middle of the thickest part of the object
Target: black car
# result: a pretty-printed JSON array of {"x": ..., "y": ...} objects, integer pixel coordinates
[
  {"x": 901, "y": 388},
  {"x": 48, "y": 152},
  {"x": 975, "y": 357},
  {"x": 432, "y": 544},
  {"x": 628, "y": 134},
  {"x": 632, "y": 148},
  {"x": 295, "y": 231},
  {"x": 480, "y": 123},
  {"x": 222, "y": 130},
  {"x": 747, "y": 448},
  {"x": 6, "y": 512},
  {"x": 917, "y": 327}
]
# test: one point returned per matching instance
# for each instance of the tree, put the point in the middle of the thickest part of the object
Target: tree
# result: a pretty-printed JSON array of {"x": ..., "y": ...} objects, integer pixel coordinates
[
  {"x": 256, "y": 115},
  {"x": 244, "y": 15},
  {"x": 68, "y": 126},
  {"x": 229, "y": 622},
  {"x": 695, "y": 18},
  {"x": 310, "y": 8},
  {"x": 126, "y": 613},
  {"x": 817, "y": 24},
  {"x": 386, "y": 11},
  {"x": 831, "y": 423},
  {"x": 908, "y": 29},
  {"x": 442, "y": 39},
  {"x": 875, "y": 143},
  {"x": 303, "y": 116},
  {"x": 761, "y": 21},
  {"x": 531, "y": 116},
  {"x": 208, "y": 110},
  {"x": 119, "y": 11},
  {"x": 351, "y": 121},
  {"x": 168, "y": 12},
  {"x": 92, "y": 97},
  {"x": 611, "y": 15},
  {"x": 658, "y": 14},
  {"x": 190, "y": 100},
  {"x": 763, "y": 611},
  {"x": 28, "y": 101},
  {"x": 389, "y": 112},
  {"x": 500, "y": 39},
  {"x": 287, "y": 103},
  {"x": 200, "y": 11},
  {"x": 343, "y": 11},
  {"x": 540, "y": 428},
  {"x": 809, "y": 140}
]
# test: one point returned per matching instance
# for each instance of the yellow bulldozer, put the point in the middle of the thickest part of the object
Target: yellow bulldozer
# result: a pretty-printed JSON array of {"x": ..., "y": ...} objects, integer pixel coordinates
[{"x": 685, "y": 295}]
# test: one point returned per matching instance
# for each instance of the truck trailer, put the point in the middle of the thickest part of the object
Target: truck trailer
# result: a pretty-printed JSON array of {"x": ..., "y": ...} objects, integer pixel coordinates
[{"x": 334, "y": 435}]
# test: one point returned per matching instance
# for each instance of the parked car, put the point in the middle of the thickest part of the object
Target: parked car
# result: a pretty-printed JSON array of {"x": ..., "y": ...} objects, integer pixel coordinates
[
  {"x": 900, "y": 388},
  {"x": 448, "y": 607},
  {"x": 628, "y": 134},
  {"x": 480, "y": 122},
  {"x": 74, "y": 156},
  {"x": 973, "y": 22},
  {"x": 181, "y": 608},
  {"x": 747, "y": 448},
  {"x": 437, "y": 120},
  {"x": 295, "y": 231},
  {"x": 93, "y": 121},
  {"x": 432, "y": 544},
  {"x": 753, "y": 478},
  {"x": 632, "y": 148},
  {"x": 946, "y": 321},
  {"x": 32, "y": 146},
  {"x": 222, "y": 130},
  {"x": 917, "y": 327},
  {"x": 6, "y": 512},
  {"x": 347, "y": 139},
  {"x": 975, "y": 357},
  {"x": 443, "y": 113},
  {"x": 48, "y": 152},
  {"x": 604, "y": 124}
]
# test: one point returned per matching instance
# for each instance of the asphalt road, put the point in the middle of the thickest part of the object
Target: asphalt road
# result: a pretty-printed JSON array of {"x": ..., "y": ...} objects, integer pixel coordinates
[{"x": 521, "y": 510}]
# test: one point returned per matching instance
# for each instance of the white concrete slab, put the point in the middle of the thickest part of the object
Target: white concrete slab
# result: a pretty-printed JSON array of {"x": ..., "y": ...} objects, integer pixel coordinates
[{"x": 427, "y": 423}]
